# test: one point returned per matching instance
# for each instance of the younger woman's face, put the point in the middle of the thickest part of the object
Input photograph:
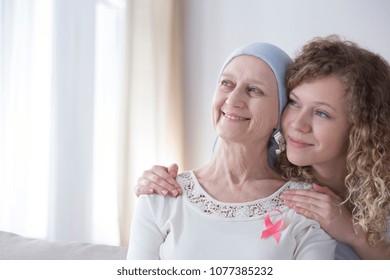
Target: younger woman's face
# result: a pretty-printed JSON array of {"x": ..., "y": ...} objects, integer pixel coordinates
[{"x": 315, "y": 123}]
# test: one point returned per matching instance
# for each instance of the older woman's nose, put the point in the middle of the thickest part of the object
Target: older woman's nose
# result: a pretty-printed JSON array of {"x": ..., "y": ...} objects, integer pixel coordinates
[{"x": 236, "y": 98}]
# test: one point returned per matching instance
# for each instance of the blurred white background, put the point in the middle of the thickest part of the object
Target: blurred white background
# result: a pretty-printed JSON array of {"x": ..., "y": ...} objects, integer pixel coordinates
[{"x": 83, "y": 86}]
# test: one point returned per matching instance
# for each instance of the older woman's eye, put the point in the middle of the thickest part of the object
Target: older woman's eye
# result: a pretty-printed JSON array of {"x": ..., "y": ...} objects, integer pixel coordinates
[
  {"x": 255, "y": 90},
  {"x": 226, "y": 83}
]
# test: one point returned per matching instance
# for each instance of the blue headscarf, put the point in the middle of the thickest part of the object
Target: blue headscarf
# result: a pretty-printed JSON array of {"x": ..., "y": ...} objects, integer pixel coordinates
[{"x": 279, "y": 62}]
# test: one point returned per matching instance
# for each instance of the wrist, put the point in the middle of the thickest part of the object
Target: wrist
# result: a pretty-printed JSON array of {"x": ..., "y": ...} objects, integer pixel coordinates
[{"x": 358, "y": 239}]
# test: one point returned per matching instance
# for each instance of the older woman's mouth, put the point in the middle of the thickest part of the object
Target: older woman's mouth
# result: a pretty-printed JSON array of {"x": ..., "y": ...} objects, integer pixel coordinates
[{"x": 235, "y": 117}]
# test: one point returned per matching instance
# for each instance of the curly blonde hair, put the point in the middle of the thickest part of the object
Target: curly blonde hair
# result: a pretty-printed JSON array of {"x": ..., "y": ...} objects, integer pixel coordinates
[{"x": 367, "y": 79}]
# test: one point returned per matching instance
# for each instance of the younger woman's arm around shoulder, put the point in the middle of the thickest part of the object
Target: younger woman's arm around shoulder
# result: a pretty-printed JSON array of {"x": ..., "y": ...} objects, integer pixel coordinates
[
  {"x": 323, "y": 206},
  {"x": 160, "y": 180}
]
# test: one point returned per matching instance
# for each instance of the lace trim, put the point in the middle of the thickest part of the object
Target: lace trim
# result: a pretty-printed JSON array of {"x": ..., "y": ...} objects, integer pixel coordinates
[{"x": 201, "y": 200}]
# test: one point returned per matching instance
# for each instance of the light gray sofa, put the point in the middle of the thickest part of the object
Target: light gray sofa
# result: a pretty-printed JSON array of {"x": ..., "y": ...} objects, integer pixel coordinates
[{"x": 16, "y": 247}]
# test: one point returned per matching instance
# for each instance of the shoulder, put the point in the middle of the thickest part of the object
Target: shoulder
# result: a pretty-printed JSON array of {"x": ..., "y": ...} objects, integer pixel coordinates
[
  {"x": 158, "y": 208},
  {"x": 297, "y": 185},
  {"x": 158, "y": 202},
  {"x": 187, "y": 180},
  {"x": 185, "y": 177}
]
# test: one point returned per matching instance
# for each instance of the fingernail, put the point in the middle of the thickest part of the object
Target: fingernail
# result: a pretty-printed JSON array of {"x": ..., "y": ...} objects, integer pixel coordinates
[
  {"x": 164, "y": 192},
  {"x": 175, "y": 192},
  {"x": 150, "y": 190}
]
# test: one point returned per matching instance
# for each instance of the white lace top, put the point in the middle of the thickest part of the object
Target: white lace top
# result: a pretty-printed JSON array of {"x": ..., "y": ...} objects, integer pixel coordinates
[{"x": 196, "y": 226}]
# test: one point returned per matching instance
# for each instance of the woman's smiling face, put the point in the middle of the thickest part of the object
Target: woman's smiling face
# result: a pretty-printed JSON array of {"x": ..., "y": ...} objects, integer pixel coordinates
[
  {"x": 245, "y": 105},
  {"x": 315, "y": 124}
]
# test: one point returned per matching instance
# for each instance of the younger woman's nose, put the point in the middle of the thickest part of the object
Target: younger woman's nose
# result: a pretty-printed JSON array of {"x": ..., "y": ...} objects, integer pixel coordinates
[{"x": 301, "y": 122}]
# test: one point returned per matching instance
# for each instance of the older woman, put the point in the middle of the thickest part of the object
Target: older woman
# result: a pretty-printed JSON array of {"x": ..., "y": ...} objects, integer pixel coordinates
[{"x": 231, "y": 207}]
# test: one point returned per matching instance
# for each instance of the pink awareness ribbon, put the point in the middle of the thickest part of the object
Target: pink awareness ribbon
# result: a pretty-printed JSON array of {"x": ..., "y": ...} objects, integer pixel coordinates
[{"x": 272, "y": 229}]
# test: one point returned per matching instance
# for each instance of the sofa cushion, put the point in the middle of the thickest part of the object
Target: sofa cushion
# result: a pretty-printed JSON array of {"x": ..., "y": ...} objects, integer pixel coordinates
[{"x": 16, "y": 247}]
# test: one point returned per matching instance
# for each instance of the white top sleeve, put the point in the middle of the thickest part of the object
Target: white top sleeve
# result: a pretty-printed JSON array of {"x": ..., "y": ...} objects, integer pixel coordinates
[
  {"x": 312, "y": 242},
  {"x": 146, "y": 236}
]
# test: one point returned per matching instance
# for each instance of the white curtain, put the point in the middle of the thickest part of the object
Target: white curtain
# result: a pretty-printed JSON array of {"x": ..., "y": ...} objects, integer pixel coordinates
[
  {"x": 83, "y": 112},
  {"x": 84, "y": 153},
  {"x": 152, "y": 117},
  {"x": 25, "y": 84},
  {"x": 60, "y": 98}
]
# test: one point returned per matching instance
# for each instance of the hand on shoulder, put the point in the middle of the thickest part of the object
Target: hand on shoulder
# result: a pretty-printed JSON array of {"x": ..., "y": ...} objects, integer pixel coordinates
[{"x": 160, "y": 180}]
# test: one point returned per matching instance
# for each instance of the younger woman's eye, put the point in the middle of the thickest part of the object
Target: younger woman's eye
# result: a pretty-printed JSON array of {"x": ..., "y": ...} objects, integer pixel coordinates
[
  {"x": 322, "y": 114},
  {"x": 292, "y": 102}
]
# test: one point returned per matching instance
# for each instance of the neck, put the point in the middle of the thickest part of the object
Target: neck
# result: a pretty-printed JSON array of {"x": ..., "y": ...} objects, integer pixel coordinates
[
  {"x": 238, "y": 173},
  {"x": 241, "y": 163}
]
